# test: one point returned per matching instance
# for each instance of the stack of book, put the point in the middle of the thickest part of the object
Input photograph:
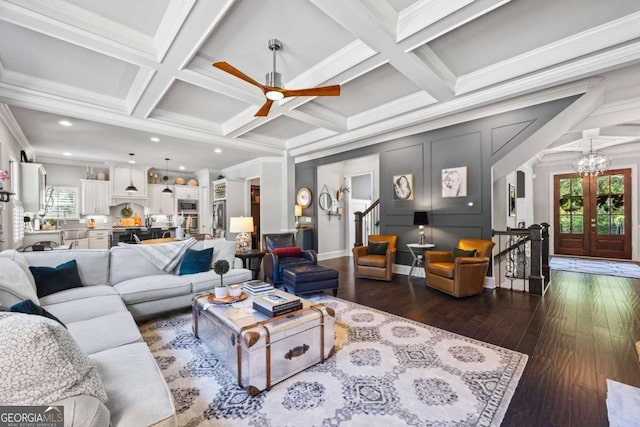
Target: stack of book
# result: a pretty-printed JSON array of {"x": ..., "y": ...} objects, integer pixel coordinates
[
  {"x": 276, "y": 303},
  {"x": 257, "y": 287}
]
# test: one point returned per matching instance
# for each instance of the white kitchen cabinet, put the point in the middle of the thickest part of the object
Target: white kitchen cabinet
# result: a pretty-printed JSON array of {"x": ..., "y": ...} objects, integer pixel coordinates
[
  {"x": 95, "y": 197},
  {"x": 99, "y": 239},
  {"x": 186, "y": 192},
  {"x": 32, "y": 187},
  {"x": 160, "y": 203},
  {"x": 78, "y": 243},
  {"x": 121, "y": 181}
]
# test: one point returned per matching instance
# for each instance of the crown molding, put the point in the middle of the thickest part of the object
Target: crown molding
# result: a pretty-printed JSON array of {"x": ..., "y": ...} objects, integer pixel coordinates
[
  {"x": 14, "y": 128},
  {"x": 423, "y": 13},
  {"x": 183, "y": 120},
  {"x": 391, "y": 109},
  {"x": 254, "y": 164}
]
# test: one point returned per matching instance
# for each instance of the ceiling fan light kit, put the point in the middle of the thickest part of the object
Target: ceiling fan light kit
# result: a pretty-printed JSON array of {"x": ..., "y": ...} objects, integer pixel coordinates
[{"x": 273, "y": 89}]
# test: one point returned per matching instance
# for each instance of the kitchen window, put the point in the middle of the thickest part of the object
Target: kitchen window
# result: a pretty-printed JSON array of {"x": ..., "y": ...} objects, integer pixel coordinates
[{"x": 62, "y": 202}]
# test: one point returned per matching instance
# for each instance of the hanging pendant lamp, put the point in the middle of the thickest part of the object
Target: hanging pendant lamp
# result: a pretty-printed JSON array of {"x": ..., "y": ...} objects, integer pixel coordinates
[
  {"x": 131, "y": 188},
  {"x": 592, "y": 163},
  {"x": 167, "y": 190}
]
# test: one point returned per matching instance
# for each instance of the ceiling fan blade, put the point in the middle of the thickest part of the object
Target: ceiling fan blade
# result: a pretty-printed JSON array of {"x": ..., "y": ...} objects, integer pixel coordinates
[
  {"x": 264, "y": 110},
  {"x": 224, "y": 66},
  {"x": 316, "y": 91}
]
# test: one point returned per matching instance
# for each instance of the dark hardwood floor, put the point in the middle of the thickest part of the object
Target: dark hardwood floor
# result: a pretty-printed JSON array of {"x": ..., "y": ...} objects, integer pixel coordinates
[{"x": 580, "y": 333}]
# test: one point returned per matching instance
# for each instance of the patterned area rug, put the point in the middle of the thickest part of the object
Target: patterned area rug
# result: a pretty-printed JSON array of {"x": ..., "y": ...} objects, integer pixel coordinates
[
  {"x": 386, "y": 371},
  {"x": 589, "y": 266}
]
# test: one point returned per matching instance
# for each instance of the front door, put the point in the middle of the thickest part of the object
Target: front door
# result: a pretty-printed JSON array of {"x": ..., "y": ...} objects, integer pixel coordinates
[{"x": 593, "y": 214}]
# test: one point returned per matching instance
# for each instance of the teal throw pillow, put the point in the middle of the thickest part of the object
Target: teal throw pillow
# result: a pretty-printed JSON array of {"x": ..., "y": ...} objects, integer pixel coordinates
[
  {"x": 457, "y": 252},
  {"x": 377, "y": 248},
  {"x": 50, "y": 280},
  {"x": 29, "y": 307},
  {"x": 196, "y": 261}
]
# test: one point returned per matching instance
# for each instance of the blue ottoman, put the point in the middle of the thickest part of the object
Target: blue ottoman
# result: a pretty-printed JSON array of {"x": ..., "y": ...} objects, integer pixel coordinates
[{"x": 303, "y": 279}]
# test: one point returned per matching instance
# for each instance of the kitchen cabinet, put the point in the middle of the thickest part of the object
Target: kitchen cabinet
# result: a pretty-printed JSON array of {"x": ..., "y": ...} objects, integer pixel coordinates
[
  {"x": 99, "y": 239},
  {"x": 160, "y": 203},
  {"x": 186, "y": 192},
  {"x": 32, "y": 187},
  {"x": 121, "y": 181},
  {"x": 95, "y": 197}
]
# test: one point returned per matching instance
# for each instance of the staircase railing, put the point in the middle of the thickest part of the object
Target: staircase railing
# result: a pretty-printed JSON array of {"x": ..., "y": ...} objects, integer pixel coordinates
[
  {"x": 522, "y": 260},
  {"x": 367, "y": 222}
]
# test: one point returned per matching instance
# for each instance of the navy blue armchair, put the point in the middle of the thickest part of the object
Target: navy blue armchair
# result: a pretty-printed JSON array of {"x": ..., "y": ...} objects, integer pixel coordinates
[{"x": 283, "y": 253}]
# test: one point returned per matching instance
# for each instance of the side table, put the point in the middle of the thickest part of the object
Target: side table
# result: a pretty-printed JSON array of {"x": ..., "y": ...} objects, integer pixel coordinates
[
  {"x": 417, "y": 252},
  {"x": 247, "y": 256}
]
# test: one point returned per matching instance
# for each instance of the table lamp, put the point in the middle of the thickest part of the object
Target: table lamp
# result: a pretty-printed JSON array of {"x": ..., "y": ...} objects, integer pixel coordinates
[
  {"x": 298, "y": 214},
  {"x": 420, "y": 218},
  {"x": 244, "y": 226}
]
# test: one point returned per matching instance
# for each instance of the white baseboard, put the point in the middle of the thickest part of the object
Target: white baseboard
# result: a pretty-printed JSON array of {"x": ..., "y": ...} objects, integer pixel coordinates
[{"x": 330, "y": 255}]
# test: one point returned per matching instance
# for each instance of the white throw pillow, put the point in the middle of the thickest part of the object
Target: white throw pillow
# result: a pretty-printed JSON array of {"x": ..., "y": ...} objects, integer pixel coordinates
[
  {"x": 40, "y": 363},
  {"x": 222, "y": 249},
  {"x": 14, "y": 284},
  {"x": 22, "y": 261}
]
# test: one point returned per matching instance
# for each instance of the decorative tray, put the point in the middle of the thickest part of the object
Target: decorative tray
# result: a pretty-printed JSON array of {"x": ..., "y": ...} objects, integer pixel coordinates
[{"x": 226, "y": 300}]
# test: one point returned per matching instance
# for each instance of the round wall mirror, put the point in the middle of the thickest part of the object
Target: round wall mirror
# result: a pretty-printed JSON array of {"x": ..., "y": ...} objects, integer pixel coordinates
[{"x": 324, "y": 200}]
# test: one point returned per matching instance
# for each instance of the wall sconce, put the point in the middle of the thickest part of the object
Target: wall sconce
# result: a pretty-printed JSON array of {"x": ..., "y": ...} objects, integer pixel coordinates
[
  {"x": 244, "y": 226},
  {"x": 420, "y": 219},
  {"x": 298, "y": 213}
]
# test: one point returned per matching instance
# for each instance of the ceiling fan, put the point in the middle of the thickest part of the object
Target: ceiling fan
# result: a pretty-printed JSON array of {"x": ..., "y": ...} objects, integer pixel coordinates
[{"x": 273, "y": 90}]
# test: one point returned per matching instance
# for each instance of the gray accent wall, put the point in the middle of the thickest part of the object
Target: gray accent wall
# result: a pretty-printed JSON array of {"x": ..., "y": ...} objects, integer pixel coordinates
[{"x": 476, "y": 145}]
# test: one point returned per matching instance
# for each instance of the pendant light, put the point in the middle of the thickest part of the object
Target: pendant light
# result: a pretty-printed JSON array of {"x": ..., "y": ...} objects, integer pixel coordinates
[
  {"x": 592, "y": 163},
  {"x": 131, "y": 188},
  {"x": 167, "y": 190}
]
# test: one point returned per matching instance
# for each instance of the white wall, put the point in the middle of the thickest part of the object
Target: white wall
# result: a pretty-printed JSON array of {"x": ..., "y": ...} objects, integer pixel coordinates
[{"x": 331, "y": 229}]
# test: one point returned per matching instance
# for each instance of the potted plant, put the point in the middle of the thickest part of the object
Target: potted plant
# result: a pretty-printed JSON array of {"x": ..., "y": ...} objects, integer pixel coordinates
[{"x": 221, "y": 267}]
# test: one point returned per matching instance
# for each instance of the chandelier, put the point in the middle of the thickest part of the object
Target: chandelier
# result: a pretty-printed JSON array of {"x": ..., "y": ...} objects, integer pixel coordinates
[{"x": 592, "y": 163}]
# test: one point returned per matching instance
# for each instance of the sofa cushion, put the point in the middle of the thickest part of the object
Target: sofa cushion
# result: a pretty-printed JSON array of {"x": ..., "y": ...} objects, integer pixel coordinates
[
  {"x": 138, "y": 394},
  {"x": 196, "y": 261},
  {"x": 222, "y": 249},
  {"x": 41, "y": 363},
  {"x": 54, "y": 279},
  {"x": 103, "y": 332},
  {"x": 153, "y": 287},
  {"x": 85, "y": 411},
  {"x": 29, "y": 307},
  {"x": 457, "y": 252},
  {"x": 380, "y": 248},
  {"x": 86, "y": 308},
  {"x": 14, "y": 284},
  {"x": 287, "y": 262},
  {"x": 78, "y": 293},
  {"x": 22, "y": 261},
  {"x": 93, "y": 264},
  {"x": 290, "y": 251},
  {"x": 127, "y": 264}
]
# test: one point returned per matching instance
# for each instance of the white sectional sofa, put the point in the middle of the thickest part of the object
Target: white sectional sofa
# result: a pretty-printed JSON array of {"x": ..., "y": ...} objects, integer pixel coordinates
[{"x": 119, "y": 285}]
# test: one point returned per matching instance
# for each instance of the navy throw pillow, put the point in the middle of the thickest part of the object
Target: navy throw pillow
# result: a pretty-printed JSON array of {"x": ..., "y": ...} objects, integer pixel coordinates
[
  {"x": 50, "y": 280},
  {"x": 377, "y": 248},
  {"x": 29, "y": 307},
  {"x": 457, "y": 252},
  {"x": 196, "y": 261}
]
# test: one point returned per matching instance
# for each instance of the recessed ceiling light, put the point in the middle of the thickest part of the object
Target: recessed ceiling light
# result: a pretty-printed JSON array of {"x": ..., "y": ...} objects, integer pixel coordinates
[
  {"x": 65, "y": 123},
  {"x": 155, "y": 139},
  {"x": 217, "y": 150},
  {"x": 181, "y": 168},
  {"x": 66, "y": 153}
]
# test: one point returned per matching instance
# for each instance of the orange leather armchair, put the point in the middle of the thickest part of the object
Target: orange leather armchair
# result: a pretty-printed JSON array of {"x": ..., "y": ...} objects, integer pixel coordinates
[
  {"x": 464, "y": 276},
  {"x": 375, "y": 266}
]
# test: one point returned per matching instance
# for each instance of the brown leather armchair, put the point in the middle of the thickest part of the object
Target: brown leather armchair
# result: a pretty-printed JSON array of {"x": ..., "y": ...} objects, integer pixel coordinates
[
  {"x": 463, "y": 277},
  {"x": 375, "y": 266}
]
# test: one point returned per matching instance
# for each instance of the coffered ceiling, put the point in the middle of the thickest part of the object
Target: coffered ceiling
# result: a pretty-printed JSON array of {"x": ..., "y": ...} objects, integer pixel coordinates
[{"x": 124, "y": 71}]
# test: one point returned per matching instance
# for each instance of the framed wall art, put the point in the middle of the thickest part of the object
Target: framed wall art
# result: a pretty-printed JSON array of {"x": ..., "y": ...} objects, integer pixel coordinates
[
  {"x": 403, "y": 187},
  {"x": 511, "y": 197},
  {"x": 454, "y": 182}
]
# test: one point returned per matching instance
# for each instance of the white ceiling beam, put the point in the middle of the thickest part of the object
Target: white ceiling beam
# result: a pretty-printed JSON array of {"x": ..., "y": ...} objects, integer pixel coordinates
[
  {"x": 355, "y": 18},
  {"x": 173, "y": 19},
  {"x": 195, "y": 32},
  {"x": 390, "y": 109},
  {"x": 587, "y": 42},
  {"x": 423, "y": 13},
  {"x": 612, "y": 114}
]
